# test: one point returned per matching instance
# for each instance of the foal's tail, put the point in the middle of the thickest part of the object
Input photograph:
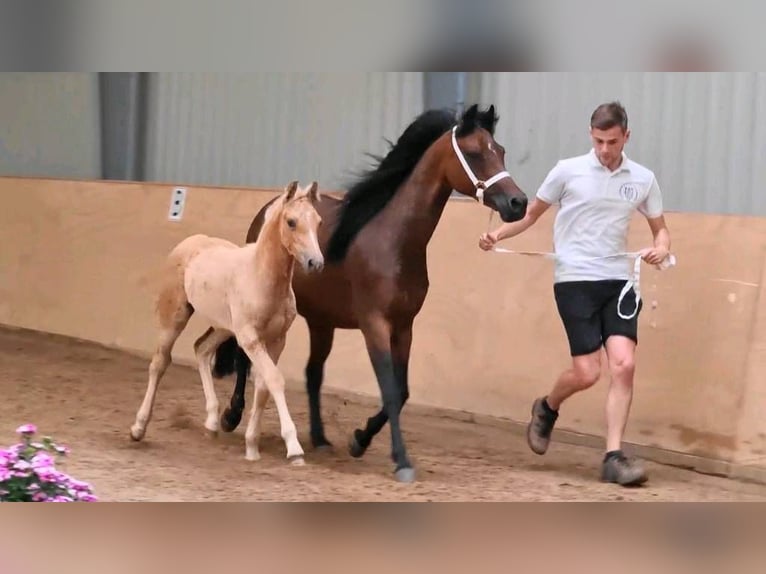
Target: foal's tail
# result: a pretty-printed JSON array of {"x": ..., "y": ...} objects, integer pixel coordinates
[{"x": 225, "y": 358}]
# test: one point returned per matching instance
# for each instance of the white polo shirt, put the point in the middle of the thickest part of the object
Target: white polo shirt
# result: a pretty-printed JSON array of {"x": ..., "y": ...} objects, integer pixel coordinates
[{"x": 595, "y": 209}]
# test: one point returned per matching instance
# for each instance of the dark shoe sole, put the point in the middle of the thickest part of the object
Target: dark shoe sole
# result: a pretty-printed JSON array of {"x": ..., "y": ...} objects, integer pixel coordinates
[
  {"x": 529, "y": 430},
  {"x": 635, "y": 482}
]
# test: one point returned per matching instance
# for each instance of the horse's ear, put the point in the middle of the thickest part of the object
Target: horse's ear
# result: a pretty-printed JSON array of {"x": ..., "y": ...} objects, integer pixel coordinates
[
  {"x": 487, "y": 119},
  {"x": 470, "y": 113},
  {"x": 314, "y": 191},
  {"x": 290, "y": 190},
  {"x": 468, "y": 121}
]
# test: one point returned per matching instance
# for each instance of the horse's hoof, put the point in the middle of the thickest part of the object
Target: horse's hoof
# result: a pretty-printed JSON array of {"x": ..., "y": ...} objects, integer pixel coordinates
[
  {"x": 405, "y": 475},
  {"x": 354, "y": 448},
  {"x": 230, "y": 421},
  {"x": 211, "y": 434},
  {"x": 297, "y": 460},
  {"x": 136, "y": 435},
  {"x": 253, "y": 456},
  {"x": 321, "y": 444}
]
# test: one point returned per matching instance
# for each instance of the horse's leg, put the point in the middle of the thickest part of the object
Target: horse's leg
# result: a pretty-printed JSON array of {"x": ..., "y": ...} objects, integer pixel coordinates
[
  {"x": 204, "y": 349},
  {"x": 173, "y": 317},
  {"x": 266, "y": 368},
  {"x": 378, "y": 337},
  {"x": 401, "y": 342},
  {"x": 232, "y": 415},
  {"x": 321, "y": 345}
]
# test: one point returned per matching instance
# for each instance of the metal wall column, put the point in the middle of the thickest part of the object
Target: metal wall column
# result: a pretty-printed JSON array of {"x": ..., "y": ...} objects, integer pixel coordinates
[{"x": 123, "y": 124}]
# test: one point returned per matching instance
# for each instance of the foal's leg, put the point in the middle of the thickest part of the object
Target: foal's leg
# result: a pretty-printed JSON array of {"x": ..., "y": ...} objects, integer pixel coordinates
[
  {"x": 173, "y": 314},
  {"x": 401, "y": 342},
  {"x": 266, "y": 367},
  {"x": 204, "y": 349},
  {"x": 321, "y": 345},
  {"x": 253, "y": 432},
  {"x": 378, "y": 336}
]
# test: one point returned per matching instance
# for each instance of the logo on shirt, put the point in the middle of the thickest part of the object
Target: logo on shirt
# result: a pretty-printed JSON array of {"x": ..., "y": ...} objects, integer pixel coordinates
[{"x": 630, "y": 192}]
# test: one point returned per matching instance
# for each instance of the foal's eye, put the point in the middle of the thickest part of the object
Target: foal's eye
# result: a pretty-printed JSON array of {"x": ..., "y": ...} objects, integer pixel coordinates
[{"x": 291, "y": 223}]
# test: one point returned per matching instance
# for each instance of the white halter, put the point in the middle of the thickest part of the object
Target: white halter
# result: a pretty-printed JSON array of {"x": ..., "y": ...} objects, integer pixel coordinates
[{"x": 480, "y": 186}]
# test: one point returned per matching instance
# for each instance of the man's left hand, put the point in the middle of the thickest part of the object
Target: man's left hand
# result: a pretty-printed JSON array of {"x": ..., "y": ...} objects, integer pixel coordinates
[{"x": 654, "y": 255}]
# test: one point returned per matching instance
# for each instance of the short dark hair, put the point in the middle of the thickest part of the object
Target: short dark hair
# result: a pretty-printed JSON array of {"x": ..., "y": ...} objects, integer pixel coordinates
[{"x": 608, "y": 115}]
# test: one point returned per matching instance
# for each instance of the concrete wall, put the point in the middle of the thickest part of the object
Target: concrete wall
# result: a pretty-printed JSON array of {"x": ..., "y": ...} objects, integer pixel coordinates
[{"x": 80, "y": 259}]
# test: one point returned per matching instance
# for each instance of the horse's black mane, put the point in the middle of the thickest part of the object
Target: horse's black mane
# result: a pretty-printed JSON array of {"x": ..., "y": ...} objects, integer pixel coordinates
[{"x": 374, "y": 189}]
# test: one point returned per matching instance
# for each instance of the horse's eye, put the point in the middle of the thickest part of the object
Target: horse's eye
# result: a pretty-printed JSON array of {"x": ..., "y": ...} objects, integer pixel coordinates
[{"x": 291, "y": 223}]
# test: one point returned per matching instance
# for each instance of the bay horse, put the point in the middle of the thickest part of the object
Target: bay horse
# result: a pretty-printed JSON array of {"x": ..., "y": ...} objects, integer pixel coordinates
[
  {"x": 245, "y": 291},
  {"x": 376, "y": 278}
]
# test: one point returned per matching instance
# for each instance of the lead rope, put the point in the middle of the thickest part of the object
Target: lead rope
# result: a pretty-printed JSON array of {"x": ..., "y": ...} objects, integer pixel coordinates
[{"x": 633, "y": 282}]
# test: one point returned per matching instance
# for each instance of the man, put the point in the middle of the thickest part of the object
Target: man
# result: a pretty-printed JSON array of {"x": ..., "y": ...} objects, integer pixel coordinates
[{"x": 597, "y": 194}]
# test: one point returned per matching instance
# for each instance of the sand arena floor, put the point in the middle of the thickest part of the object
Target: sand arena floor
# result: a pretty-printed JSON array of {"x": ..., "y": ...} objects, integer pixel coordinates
[{"x": 86, "y": 396}]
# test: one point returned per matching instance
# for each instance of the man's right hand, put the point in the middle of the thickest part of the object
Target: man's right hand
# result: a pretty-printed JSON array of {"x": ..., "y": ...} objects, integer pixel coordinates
[{"x": 487, "y": 241}]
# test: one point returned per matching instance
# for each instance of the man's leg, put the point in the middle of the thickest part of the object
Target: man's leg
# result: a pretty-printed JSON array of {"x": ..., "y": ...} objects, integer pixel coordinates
[
  {"x": 621, "y": 339},
  {"x": 620, "y": 351},
  {"x": 578, "y": 306}
]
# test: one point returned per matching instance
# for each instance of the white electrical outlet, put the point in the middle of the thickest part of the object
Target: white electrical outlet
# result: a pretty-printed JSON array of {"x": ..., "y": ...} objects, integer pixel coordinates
[{"x": 177, "y": 202}]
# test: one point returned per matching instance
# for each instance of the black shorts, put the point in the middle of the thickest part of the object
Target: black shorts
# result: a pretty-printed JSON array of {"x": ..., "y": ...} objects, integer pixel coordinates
[{"x": 588, "y": 310}]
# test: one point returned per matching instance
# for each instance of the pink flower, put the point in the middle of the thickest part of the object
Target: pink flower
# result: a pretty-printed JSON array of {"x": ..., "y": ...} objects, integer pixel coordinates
[
  {"x": 42, "y": 460},
  {"x": 47, "y": 474},
  {"x": 79, "y": 485},
  {"x": 85, "y": 497},
  {"x": 27, "y": 429},
  {"x": 39, "y": 497}
]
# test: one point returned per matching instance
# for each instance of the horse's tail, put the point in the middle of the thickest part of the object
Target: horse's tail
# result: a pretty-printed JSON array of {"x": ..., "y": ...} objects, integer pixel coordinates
[{"x": 225, "y": 358}]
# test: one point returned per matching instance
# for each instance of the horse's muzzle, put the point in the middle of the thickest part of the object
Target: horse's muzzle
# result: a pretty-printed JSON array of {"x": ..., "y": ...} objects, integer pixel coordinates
[{"x": 511, "y": 208}]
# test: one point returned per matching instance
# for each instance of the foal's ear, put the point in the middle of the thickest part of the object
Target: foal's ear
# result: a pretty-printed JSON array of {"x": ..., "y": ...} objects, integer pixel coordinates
[
  {"x": 314, "y": 192},
  {"x": 290, "y": 190}
]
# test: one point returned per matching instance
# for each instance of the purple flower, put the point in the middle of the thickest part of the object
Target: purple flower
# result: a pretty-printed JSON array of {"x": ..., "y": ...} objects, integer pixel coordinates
[
  {"x": 22, "y": 465},
  {"x": 39, "y": 497},
  {"x": 27, "y": 429},
  {"x": 86, "y": 497},
  {"x": 5, "y": 474}
]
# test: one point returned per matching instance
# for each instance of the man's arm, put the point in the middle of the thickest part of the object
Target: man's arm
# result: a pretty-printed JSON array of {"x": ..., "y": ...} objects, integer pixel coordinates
[
  {"x": 534, "y": 211},
  {"x": 661, "y": 236}
]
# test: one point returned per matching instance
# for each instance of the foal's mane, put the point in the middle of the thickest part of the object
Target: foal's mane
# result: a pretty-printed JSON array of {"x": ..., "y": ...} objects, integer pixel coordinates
[{"x": 375, "y": 187}]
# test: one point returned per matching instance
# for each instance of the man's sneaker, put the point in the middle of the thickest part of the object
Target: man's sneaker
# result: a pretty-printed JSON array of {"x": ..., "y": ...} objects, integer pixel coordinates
[
  {"x": 540, "y": 427},
  {"x": 623, "y": 470}
]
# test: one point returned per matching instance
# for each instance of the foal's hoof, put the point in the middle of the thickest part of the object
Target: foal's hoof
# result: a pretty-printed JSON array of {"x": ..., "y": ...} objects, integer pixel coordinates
[
  {"x": 211, "y": 434},
  {"x": 297, "y": 460},
  {"x": 230, "y": 420},
  {"x": 405, "y": 475},
  {"x": 354, "y": 448},
  {"x": 137, "y": 434}
]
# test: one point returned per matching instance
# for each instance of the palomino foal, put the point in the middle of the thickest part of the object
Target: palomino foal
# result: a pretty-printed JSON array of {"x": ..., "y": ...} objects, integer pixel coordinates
[{"x": 242, "y": 291}]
